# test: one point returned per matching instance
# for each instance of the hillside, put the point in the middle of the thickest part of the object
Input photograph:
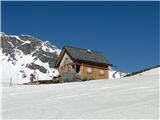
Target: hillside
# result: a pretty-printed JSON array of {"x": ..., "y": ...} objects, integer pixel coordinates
[{"x": 133, "y": 97}]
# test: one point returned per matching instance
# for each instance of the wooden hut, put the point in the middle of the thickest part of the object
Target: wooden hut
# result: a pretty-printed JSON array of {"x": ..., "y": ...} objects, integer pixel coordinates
[{"x": 85, "y": 63}]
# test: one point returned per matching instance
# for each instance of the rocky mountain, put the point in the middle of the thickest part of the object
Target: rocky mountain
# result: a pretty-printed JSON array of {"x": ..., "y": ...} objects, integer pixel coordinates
[{"x": 23, "y": 54}]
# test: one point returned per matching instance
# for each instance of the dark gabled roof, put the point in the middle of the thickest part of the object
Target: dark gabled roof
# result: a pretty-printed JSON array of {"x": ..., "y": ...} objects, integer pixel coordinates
[{"x": 84, "y": 55}]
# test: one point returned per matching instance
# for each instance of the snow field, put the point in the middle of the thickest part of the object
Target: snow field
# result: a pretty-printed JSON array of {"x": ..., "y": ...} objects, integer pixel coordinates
[{"x": 133, "y": 97}]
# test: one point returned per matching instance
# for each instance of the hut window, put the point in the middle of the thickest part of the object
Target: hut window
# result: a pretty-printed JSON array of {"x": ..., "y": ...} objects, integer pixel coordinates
[
  {"x": 73, "y": 66},
  {"x": 77, "y": 68},
  {"x": 66, "y": 61},
  {"x": 89, "y": 70},
  {"x": 101, "y": 72}
]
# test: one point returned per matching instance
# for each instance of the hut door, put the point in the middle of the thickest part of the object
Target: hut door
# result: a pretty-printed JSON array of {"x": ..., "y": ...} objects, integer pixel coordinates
[{"x": 77, "y": 68}]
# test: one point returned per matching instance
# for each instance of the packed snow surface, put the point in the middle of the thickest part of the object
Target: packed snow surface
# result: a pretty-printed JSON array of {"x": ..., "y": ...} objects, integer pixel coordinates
[{"x": 130, "y": 97}]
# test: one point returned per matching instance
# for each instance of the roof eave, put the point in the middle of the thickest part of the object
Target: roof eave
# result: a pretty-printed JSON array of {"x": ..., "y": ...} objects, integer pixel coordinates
[{"x": 91, "y": 62}]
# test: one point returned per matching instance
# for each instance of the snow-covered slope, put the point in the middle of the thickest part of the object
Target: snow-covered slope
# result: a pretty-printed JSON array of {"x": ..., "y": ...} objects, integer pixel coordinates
[
  {"x": 22, "y": 55},
  {"x": 134, "y": 97},
  {"x": 154, "y": 71}
]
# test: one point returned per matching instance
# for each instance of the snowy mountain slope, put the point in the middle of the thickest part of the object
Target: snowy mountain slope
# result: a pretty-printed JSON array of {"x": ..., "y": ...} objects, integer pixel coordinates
[
  {"x": 24, "y": 54},
  {"x": 134, "y": 97},
  {"x": 115, "y": 74}
]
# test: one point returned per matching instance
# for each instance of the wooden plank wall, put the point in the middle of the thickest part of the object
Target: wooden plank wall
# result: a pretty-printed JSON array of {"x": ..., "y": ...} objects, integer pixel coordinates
[{"x": 95, "y": 74}]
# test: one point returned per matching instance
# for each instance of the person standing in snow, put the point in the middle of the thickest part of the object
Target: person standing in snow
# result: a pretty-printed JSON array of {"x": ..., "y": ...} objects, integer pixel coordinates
[
  {"x": 35, "y": 76},
  {"x": 31, "y": 78}
]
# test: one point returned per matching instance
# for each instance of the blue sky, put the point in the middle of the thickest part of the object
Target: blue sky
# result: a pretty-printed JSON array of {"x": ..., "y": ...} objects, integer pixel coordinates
[{"x": 127, "y": 33}]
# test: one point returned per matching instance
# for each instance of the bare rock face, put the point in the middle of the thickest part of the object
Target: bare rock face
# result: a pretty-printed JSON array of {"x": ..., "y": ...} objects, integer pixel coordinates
[
  {"x": 35, "y": 66},
  {"x": 36, "y": 51}
]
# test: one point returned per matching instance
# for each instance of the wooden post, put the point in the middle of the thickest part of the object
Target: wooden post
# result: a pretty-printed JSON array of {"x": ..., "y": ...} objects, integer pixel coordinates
[
  {"x": 37, "y": 80},
  {"x": 107, "y": 73},
  {"x": 82, "y": 71},
  {"x": 10, "y": 82}
]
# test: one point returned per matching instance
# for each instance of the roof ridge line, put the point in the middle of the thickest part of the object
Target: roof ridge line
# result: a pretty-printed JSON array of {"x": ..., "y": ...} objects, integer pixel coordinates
[{"x": 82, "y": 48}]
